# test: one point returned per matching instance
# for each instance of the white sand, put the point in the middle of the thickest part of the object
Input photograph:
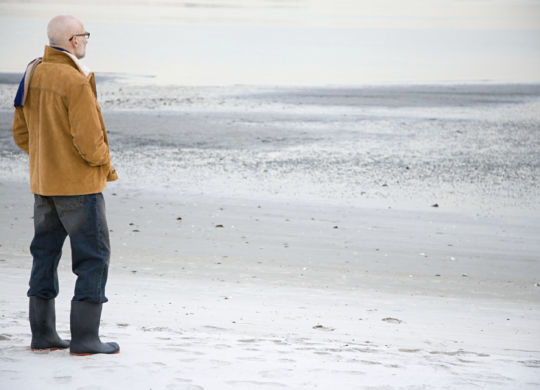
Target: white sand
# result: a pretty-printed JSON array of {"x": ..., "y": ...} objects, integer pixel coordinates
[{"x": 279, "y": 298}]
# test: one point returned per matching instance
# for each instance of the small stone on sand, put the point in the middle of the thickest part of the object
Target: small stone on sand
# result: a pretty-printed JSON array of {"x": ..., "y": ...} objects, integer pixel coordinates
[{"x": 392, "y": 320}]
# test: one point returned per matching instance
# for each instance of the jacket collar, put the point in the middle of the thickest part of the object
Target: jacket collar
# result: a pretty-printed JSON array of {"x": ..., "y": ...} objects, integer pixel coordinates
[
  {"x": 61, "y": 56},
  {"x": 55, "y": 55}
]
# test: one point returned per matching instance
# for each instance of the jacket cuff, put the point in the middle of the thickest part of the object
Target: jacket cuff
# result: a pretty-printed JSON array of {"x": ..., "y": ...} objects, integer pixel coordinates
[{"x": 112, "y": 175}]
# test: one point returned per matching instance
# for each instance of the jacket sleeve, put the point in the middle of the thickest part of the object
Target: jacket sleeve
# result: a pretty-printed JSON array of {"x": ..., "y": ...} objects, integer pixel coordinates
[
  {"x": 20, "y": 130},
  {"x": 85, "y": 126}
]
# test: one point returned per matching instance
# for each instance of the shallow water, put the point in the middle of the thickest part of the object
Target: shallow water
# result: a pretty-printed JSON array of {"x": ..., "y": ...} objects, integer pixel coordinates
[{"x": 461, "y": 146}]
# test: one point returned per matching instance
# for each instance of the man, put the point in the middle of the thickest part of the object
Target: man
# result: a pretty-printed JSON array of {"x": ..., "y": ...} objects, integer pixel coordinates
[{"x": 58, "y": 122}]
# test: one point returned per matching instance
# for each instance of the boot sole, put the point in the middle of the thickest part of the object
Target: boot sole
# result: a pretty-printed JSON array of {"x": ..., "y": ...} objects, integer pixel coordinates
[
  {"x": 48, "y": 349},
  {"x": 90, "y": 354}
]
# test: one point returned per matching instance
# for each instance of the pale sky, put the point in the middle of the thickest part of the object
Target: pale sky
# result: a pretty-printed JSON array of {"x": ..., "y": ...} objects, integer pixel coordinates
[
  {"x": 291, "y": 42},
  {"x": 455, "y": 14}
]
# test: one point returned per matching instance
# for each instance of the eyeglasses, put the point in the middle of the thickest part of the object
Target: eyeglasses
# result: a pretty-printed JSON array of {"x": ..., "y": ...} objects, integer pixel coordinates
[{"x": 86, "y": 35}]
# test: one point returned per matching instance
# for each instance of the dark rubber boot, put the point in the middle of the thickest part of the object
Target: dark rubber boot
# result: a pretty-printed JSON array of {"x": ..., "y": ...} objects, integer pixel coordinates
[
  {"x": 85, "y": 319},
  {"x": 43, "y": 325}
]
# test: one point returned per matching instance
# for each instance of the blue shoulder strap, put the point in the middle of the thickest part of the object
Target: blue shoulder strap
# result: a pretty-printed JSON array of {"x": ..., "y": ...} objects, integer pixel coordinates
[{"x": 20, "y": 93}]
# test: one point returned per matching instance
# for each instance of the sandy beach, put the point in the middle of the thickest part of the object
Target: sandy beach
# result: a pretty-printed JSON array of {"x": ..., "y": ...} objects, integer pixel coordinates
[{"x": 300, "y": 238}]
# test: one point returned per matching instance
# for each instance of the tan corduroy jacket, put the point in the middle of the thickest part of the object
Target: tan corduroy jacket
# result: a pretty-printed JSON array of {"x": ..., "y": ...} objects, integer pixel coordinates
[{"x": 62, "y": 130}]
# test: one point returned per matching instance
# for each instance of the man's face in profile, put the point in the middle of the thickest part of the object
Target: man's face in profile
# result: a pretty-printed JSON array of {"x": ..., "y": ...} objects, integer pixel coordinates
[{"x": 80, "y": 50}]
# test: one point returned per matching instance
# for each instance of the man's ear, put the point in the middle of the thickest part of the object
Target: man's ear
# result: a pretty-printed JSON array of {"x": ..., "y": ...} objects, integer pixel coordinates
[{"x": 74, "y": 42}]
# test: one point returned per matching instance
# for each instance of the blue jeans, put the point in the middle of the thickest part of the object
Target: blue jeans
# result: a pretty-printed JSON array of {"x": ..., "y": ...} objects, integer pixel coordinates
[{"x": 82, "y": 217}]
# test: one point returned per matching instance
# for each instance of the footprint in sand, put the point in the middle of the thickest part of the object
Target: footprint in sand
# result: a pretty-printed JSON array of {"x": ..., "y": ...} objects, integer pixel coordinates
[
  {"x": 305, "y": 349},
  {"x": 158, "y": 329},
  {"x": 531, "y": 363},
  {"x": 247, "y": 358},
  {"x": 216, "y": 328},
  {"x": 181, "y": 350},
  {"x": 284, "y": 353},
  {"x": 182, "y": 380},
  {"x": 220, "y": 363},
  {"x": 183, "y": 387},
  {"x": 62, "y": 379},
  {"x": 348, "y": 372},
  {"x": 248, "y": 340},
  {"x": 257, "y": 384},
  {"x": 364, "y": 350},
  {"x": 459, "y": 352},
  {"x": 279, "y": 373},
  {"x": 370, "y": 362},
  {"x": 186, "y": 360}
]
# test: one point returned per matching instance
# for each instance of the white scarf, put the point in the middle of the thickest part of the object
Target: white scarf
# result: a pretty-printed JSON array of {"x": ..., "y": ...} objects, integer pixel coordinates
[{"x": 81, "y": 66}]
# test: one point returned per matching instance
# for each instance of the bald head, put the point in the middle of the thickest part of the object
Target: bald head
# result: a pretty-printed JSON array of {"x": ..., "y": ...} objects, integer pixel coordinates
[{"x": 63, "y": 27}]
